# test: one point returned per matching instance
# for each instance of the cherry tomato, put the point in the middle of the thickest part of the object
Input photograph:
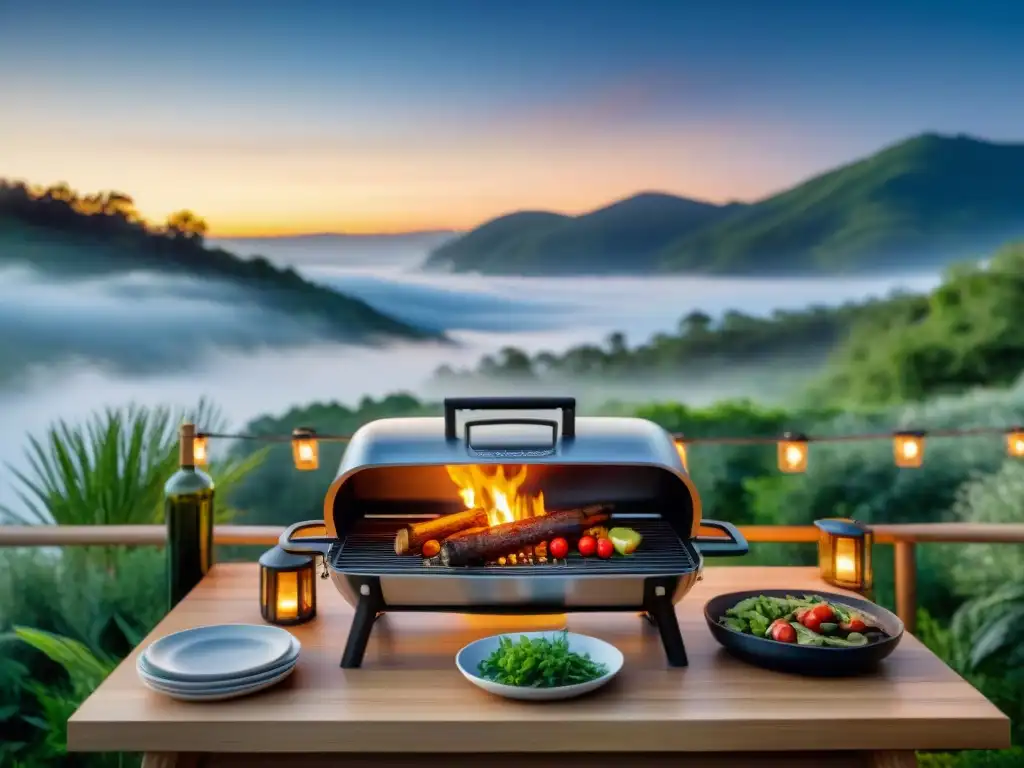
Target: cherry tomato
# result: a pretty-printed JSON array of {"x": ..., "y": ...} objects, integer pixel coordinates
[
  {"x": 605, "y": 548},
  {"x": 853, "y": 625},
  {"x": 783, "y": 632},
  {"x": 824, "y": 612},
  {"x": 587, "y": 545},
  {"x": 811, "y": 621},
  {"x": 558, "y": 548}
]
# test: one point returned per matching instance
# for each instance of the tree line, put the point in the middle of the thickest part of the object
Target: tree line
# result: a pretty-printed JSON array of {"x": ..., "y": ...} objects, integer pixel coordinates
[{"x": 58, "y": 206}]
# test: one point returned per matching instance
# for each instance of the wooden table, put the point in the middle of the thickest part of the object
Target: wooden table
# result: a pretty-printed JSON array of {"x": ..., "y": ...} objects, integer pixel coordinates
[{"x": 408, "y": 703}]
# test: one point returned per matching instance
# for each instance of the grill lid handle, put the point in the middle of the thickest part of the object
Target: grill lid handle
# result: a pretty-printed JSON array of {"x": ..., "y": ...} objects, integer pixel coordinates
[
  {"x": 567, "y": 405},
  {"x": 306, "y": 545},
  {"x": 719, "y": 546}
]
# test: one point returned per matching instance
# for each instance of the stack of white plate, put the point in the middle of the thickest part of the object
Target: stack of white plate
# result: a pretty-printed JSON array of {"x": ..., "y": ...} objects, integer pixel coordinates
[{"x": 218, "y": 662}]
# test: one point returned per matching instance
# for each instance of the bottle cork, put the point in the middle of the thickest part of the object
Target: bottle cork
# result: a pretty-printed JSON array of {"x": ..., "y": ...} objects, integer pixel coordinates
[{"x": 186, "y": 438}]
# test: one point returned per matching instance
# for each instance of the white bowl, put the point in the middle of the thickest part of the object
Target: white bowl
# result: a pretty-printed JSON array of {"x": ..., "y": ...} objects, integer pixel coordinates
[{"x": 469, "y": 658}]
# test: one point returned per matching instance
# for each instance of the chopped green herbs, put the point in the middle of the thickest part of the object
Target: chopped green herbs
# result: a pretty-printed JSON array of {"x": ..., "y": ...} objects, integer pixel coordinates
[{"x": 539, "y": 663}]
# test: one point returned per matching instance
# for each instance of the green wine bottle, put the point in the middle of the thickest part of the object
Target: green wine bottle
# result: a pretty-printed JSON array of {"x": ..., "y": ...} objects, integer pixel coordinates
[{"x": 188, "y": 509}]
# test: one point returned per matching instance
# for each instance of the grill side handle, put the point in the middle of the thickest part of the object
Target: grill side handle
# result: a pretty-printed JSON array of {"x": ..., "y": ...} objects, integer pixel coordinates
[
  {"x": 717, "y": 546},
  {"x": 305, "y": 545},
  {"x": 567, "y": 405}
]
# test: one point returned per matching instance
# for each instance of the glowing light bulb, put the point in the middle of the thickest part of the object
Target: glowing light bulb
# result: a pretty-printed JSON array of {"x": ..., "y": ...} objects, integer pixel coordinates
[
  {"x": 793, "y": 453},
  {"x": 200, "y": 452}
]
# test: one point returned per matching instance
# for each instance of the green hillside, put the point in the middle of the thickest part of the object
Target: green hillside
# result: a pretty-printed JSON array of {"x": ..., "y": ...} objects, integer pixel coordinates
[
  {"x": 626, "y": 236},
  {"x": 926, "y": 201},
  {"x": 966, "y": 333},
  {"x": 66, "y": 236}
]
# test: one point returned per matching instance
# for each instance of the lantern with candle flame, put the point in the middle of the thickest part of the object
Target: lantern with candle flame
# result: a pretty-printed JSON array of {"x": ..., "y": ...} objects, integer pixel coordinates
[
  {"x": 793, "y": 453},
  {"x": 200, "y": 450},
  {"x": 844, "y": 553},
  {"x": 908, "y": 449},
  {"x": 1015, "y": 442},
  {"x": 305, "y": 450},
  {"x": 287, "y": 587}
]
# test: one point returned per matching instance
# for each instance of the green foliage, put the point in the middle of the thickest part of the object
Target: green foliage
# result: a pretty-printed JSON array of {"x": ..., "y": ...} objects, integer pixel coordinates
[
  {"x": 738, "y": 346},
  {"x": 112, "y": 470},
  {"x": 978, "y": 569},
  {"x": 1007, "y": 758},
  {"x": 922, "y": 201},
  {"x": 85, "y": 670},
  {"x": 967, "y": 333}
]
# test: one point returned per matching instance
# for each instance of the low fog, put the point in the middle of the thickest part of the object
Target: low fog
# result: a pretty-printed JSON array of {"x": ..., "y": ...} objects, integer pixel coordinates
[
  {"x": 68, "y": 348},
  {"x": 134, "y": 323}
]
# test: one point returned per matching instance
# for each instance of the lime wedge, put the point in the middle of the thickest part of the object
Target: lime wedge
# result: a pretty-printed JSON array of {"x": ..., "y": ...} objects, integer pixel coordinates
[{"x": 625, "y": 540}]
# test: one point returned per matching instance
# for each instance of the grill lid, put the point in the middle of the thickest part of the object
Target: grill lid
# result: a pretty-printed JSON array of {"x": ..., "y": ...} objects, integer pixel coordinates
[{"x": 389, "y": 455}]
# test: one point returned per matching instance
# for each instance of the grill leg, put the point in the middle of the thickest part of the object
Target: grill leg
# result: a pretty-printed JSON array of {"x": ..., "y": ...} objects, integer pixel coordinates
[
  {"x": 662, "y": 614},
  {"x": 367, "y": 611}
]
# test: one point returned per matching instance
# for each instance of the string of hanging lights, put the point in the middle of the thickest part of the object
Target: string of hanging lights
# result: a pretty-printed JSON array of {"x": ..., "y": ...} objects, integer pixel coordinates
[{"x": 793, "y": 448}]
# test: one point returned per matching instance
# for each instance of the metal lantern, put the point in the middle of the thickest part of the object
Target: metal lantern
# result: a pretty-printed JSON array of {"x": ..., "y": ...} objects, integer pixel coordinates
[
  {"x": 305, "y": 450},
  {"x": 844, "y": 553},
  {"x": 287, "y": 587},
  {"x": 793, "y": 453},
  {"x": 908, "y": 449}
]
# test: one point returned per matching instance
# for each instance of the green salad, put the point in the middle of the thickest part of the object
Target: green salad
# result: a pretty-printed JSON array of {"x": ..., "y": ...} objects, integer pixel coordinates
[
  {"x": 539, "y": 663},
  {"x": 807, "y": 620}
]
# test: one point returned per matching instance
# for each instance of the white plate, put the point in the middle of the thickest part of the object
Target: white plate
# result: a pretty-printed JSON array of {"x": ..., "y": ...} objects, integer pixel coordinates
[
  {"x": 148, "y": 675},
  {"x": 469, "y": 658},
  {"x": 218, "y": 694},
  {"x": 218, "y": 652}
]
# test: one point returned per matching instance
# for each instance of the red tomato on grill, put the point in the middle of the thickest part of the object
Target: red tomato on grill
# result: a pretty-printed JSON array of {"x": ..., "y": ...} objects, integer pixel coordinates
[
  {"x": 558, "y": 548},
  {"x": 605, "y": 548},
  {"x": 587, "y": 545}
]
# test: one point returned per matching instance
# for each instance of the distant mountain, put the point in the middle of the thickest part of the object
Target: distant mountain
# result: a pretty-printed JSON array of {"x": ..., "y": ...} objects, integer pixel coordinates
[
  {"x": 626, "y": 236},
  {"x": 58, "y": 233},
  {"x": 922, "y": 202}
]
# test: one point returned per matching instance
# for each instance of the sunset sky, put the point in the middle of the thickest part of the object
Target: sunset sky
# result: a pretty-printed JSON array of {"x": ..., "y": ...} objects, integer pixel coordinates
[{"x": 381, "y": 115}]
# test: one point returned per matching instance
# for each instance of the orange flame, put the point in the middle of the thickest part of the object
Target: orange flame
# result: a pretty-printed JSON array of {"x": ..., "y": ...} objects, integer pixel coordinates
[{"x": 495, "y": 493}]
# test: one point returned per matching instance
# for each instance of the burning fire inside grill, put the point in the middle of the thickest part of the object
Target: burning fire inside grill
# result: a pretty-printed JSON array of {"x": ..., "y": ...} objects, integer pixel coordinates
[
  {"x": 500, "y": 525},
  {"x": 495, "y": 493}
]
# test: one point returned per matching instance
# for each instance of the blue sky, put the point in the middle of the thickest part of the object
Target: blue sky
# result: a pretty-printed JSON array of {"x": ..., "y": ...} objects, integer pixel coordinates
[{"x": 388, "y": 115}]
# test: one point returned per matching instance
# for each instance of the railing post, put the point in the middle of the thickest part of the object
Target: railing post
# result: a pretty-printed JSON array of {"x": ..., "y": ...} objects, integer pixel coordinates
[
  {"x": 905, "y": 574},
  {"x": 188, "y": 509}
]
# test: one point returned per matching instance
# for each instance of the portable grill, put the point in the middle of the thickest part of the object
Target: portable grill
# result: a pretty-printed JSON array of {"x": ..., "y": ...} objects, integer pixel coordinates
[{"x": 394, "y": 473}]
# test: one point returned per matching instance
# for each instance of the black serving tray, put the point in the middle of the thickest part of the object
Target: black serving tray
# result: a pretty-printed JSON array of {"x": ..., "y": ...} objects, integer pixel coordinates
[{"x": 804, "y": 659}]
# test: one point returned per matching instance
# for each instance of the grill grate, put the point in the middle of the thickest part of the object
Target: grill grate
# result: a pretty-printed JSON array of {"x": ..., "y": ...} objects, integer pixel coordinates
[{"x": 369, "y": 551}]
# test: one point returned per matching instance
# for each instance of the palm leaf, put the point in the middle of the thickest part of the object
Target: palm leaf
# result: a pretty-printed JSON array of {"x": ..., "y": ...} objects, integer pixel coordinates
[
  {"x": 111, "y": 470},
  {"x": 83, "y": 666}
]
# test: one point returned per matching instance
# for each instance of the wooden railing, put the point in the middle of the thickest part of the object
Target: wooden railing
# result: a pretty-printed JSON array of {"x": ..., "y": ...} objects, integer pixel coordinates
[{"x": 904, "y": 539}]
